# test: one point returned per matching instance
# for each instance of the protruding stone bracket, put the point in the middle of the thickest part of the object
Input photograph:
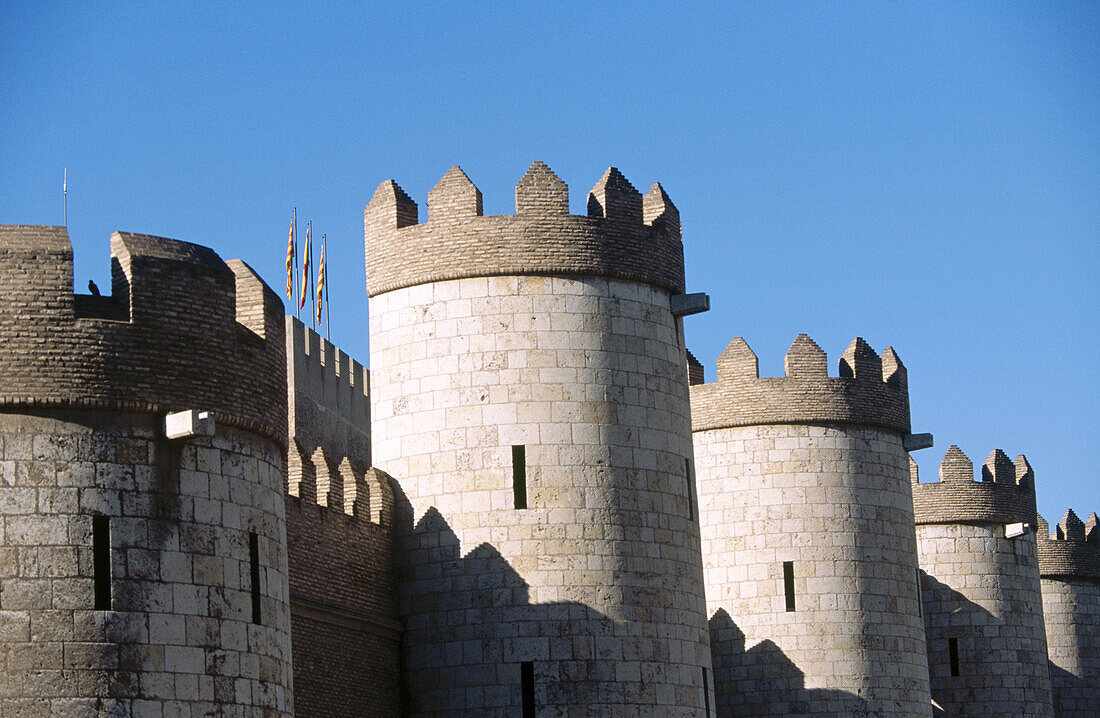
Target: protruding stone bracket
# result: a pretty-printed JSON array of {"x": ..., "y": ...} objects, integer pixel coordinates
[
  {"x": 686, "y": 304},
  {"x": 915, "y": 442},
  {"x": 188, "y": 424}
]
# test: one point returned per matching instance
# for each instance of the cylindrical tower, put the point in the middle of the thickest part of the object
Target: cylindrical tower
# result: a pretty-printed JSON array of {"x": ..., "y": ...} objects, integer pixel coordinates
[
  {"x": 807, "y": 532},
  {"x": 141, "y": 575},
  {"x": 528, "y": 394},
  {"x": 1069, "y": 566},
  {"x": 983, "y": 612}
]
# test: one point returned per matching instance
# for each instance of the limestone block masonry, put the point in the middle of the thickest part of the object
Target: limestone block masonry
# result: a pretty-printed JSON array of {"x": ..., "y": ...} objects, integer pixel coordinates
[
  {"x": 528, "y": 394},
  {"x": 1069, "y": 565},
  {"x": 809, "y": 551},
  {"x": 140, "y": 576},
  {"x": 983, "y": 611}
]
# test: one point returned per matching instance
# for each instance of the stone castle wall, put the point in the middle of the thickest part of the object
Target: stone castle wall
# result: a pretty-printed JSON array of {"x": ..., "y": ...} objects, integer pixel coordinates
[
  {"x": 530, "y": 359},
  {"x": 833, "y": 501},
  {"x": 142, "y": 575},
  {"x": 983, "y": 614},
  {"x": 136, "y": 349},
  {"x": 1069, "y": 564},
  {"x": 344, "y": 623},
  {"x": 343, "y": 594},
  {"x": 577, "y": 383},
  {"x": 625, "y": 235}
]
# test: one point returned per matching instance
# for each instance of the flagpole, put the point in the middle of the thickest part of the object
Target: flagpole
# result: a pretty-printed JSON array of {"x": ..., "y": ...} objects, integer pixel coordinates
[
  {"x": 312, "y": 271},
  {"x": 295, "y": 243},
  {"x": 328, "y": 322},
  {"x": 65, "y": 192}
]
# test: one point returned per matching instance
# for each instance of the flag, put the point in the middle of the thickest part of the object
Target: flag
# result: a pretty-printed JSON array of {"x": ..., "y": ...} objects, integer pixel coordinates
[
  {"x": 321, "y": 279},
  {"x": 290, "y": 263},
  {"x": 305, "y": 267}
]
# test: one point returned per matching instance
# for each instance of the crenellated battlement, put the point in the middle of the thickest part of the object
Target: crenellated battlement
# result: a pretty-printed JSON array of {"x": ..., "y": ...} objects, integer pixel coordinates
[
  {"x": 328, "y": 400},
  {"x": 1072, "y": 550},
  {"x": 1005, "y": 492},
  {"x": 181, "y": 329},
  {"x": 624, "y": 235},
  {"x": 327, "y": 394},
  {"x": 869, "y": 390}
]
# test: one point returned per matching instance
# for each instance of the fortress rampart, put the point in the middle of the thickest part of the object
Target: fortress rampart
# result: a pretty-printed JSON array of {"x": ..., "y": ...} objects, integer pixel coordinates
[
  {"x": 624, "y": 236},
  {"x": 1006, "y": 493},
  {"x": 142, "y": 574},
  {"x": 329, "y": 420},
  {"x": 870, "y": 390},
  {"x": 1072, "y": 550},
  {"x": 339, "y": 512},
  {"x": 343, "y": 604},
  {"x": 1069, "y": 563},
  {"x": 987, "y": 650},
  {"x": 807, "y": 532},
  {"x": 528, "y": 394},
  {"x": 548, "y": 523},
  {"x": 181, "y": 330}
]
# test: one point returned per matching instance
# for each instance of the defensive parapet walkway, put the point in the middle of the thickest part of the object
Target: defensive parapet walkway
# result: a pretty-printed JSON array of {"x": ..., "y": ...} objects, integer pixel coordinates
[
  {"x": 983, "y": 613},
  {"x": 624, "y": 235},
  {"x": 871, "y": 390},
  {"x": 182, "y": 329},
  {"x": 806, "y": 527},
  {"x": 148, "y": 567},
  {"x": 1069, "y": 564},
  {"x": 1005, "y": 494}
]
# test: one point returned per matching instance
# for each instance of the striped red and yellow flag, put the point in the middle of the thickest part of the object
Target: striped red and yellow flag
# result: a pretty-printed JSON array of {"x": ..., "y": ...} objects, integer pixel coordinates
[
  {"x": 290, "y": 263},
  {"x": 305, "y": 266},
  {"x": 321, "y": 280}
]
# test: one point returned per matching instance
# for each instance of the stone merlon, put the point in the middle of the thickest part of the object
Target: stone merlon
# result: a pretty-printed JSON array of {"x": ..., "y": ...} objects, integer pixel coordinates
[
  {"x": 1072, "y": 550},
  {"x": 1005, "y": 494},
  {"x": 625, "y": 235},
  {"x": 181, "y": 330},
  {"x": 870, "y": 390}
]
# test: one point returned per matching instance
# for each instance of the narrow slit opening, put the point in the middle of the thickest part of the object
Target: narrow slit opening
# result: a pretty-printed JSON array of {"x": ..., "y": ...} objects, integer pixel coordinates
[
  {"x": 519, "y": 476},
  {"x": 527, "y": 687},
  {"x": 788, "y": 584},
  {"x": 254, "y": 570},
  {"x": 706, "y": 694},
  {"x": 101, "y": 561},
  {"x": 690, "y": 492},
  {"x": 953, "y": 654},
  {"x": 920, "y": 597}
]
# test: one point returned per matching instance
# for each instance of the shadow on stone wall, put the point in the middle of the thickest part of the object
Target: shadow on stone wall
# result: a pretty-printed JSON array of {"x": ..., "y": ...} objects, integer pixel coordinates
[
  {"x": 763, "y": 681},
  {"x": 469, "y": 625},
  {"x": 968, "y": 693}
]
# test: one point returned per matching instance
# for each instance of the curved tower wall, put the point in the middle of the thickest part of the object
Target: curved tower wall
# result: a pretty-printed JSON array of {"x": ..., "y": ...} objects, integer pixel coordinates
[
  {"x": 553, "y": 333},
  {"x": 154, "y": 614},
  {"x": 983, "y": 611},
  {"x": 1069, "y": 566},
  {"x": 809, "y": 470}
]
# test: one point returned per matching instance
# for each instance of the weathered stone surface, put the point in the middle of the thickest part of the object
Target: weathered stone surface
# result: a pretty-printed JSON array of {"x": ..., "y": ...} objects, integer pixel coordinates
[
  {"x": 598, "y": 582},
  {"x": 981, "y": 589}
]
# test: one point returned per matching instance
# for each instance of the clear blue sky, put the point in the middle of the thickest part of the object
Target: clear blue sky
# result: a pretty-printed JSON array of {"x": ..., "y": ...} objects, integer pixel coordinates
[{"x": 924, "y": 175}]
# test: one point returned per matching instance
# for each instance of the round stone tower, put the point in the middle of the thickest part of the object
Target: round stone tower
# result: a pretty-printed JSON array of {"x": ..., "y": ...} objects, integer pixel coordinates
[
  {"x": 983, "y": 611},
  {"x": 528, "y": 395},
  {"x": 807, "y": 533},
  {"x": 144, "y": 571},
  {"x": 1069, "y": 566}
]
